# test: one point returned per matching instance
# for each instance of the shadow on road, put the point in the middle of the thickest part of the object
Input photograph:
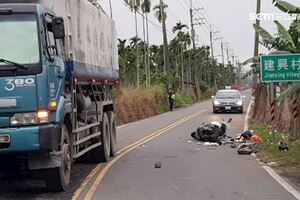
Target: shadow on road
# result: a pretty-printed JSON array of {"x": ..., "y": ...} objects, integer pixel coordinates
[{"x": 16, "y": 188}]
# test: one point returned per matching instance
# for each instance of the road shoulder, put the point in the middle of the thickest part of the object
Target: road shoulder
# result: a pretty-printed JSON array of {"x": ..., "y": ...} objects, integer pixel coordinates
[{"x": 284, "y": 181}]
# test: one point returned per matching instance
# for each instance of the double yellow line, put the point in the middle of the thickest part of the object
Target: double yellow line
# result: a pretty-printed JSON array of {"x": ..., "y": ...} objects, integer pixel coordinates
[{"x": 105, "y": 168}]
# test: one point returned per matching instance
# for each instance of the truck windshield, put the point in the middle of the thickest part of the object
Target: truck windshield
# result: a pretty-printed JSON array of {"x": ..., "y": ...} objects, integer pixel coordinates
[{"x": 19, "y": 41}]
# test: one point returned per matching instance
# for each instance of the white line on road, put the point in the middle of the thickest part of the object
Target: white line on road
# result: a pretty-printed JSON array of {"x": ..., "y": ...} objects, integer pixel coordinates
[
  {"x": 173, "y": 185},
  {"x": 282, "y": 182}
]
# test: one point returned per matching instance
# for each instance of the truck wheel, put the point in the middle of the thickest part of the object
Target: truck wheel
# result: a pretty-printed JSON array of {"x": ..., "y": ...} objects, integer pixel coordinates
[
  {"x": 58, "y": 179},
  {"x": 102, "y": 153},
  {"x": 113, "y": 136}
]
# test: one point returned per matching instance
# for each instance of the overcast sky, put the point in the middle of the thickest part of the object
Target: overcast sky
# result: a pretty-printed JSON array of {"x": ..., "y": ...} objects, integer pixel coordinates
[{"x": 230, "y": 17}]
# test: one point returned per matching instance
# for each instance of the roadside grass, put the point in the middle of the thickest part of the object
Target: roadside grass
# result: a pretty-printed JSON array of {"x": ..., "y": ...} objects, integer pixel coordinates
[
  {"x": 132, "y": 104},
  {"x": 184, "y": 98},
  {"x": 269, "y": 152}
]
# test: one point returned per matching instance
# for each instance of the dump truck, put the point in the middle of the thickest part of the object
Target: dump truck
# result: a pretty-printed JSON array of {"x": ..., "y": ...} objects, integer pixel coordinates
[{"x": 58, "y": 67}]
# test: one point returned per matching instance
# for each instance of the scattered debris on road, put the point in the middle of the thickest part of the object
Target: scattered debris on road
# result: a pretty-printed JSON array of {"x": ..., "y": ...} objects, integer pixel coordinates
[
  {"x": 246, "y": 148},
  {"x": 157, "y": 165},
  {"x": 273, "y": 164},
  {"x": 210, "y": 144},
  {"x": 213, "y": 134}
]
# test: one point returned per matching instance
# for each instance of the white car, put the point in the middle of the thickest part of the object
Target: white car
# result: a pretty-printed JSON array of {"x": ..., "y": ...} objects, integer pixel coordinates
[{"x": 228, "y": 101}]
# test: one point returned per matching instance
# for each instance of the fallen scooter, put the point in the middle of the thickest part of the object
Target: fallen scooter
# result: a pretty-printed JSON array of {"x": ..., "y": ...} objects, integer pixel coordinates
[{"x": 212, "y": 132}]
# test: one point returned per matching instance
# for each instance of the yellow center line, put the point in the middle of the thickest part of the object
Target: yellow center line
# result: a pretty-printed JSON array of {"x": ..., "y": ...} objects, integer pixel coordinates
[
  {"x": 122, "y": 153},
  {"x": 86, "y": 180}
]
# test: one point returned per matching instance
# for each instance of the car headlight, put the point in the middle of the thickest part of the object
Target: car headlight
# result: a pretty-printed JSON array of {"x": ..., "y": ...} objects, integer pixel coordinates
[
  {"x": 23, "y": 118},
  {"x": 239, "y": 103},
  {"x": 216, "y": 102}
]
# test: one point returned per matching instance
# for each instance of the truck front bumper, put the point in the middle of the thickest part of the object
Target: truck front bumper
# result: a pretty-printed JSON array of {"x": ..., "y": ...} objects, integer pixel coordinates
[{"x": 44, "y": 138}]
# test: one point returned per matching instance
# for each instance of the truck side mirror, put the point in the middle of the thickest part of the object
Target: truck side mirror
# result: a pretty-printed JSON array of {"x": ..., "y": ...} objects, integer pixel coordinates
[{"x": 58, "y": 27}]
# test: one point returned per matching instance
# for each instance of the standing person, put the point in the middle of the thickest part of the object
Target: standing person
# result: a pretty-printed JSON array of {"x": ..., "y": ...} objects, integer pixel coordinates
[{"x": 171, "y": 99}]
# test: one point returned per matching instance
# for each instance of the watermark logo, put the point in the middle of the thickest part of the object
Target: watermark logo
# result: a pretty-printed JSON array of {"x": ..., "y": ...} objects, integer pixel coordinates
[{"x": 274, "y": 16}]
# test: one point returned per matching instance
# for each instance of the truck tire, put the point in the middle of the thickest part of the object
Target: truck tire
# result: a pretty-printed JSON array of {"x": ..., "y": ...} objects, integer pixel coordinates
[
  {"x": 58, "y": 179},
  {"x": 113, "y": 132},
  {"x": 102, "y": 153}
]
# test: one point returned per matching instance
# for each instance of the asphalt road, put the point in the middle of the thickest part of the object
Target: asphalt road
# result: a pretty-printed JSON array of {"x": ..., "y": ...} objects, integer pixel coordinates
[{"x": 189, "y": 170}]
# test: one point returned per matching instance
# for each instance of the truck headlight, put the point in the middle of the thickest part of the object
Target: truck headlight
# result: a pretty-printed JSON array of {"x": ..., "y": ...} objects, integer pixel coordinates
[
  {"x": 239, "y": 103},
  {"x": 216, "y": 102},
  {"x": 42, "y": 116},
  {"x": 23, "y": 118}
]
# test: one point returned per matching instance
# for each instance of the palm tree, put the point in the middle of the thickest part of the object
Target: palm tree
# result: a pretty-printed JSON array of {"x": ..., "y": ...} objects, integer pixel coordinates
[
  {"x": 134, "y": 6},
  {"x": 146, "y": 8},
  {"x": 161, "y": 15},
  {"x": 154, "y": 56},
  {"x": 179, "y": 26},
  {"x": 184, "y": 40},
  {"x": 122, "y": 57},
  {"x": 134, "y": 44}
]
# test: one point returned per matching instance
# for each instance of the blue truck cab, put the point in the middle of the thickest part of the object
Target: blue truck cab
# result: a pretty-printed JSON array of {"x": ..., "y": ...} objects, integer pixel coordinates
[
  {"x": 32, "y": 77},
  {"x": 48, "y": 117}
]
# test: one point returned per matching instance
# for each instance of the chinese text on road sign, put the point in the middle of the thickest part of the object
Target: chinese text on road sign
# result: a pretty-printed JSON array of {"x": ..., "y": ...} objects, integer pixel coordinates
[{"x": 280, "y": 68}]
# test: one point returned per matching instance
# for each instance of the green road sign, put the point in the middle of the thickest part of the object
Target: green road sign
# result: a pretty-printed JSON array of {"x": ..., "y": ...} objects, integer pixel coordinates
[{"x": 280, "y": 68}]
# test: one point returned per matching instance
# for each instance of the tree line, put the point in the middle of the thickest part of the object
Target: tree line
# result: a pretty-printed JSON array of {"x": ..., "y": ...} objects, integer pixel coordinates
[{"x": 174, "y": 62}]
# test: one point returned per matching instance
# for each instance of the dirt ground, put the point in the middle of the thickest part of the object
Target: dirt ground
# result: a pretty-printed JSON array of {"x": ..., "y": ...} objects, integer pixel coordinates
[{"x": 292, "y": 173}]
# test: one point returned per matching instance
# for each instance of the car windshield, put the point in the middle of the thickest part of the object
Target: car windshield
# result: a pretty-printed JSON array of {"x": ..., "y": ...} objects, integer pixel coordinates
[
  {"x": 19, "y": 39},
  {"x": 228, "y": 95}
]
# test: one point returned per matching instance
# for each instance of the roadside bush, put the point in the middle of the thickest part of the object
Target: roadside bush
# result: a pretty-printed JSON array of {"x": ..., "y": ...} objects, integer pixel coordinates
[
  {"x": 203, "y": 86},
  {"x": 184, "y": 97},
  {"x": 133, "y": 104}
]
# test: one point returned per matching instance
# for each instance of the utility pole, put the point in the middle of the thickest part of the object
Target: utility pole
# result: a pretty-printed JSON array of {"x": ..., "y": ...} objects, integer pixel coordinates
[
  {"x": 110, "y": 7},
  {"x": 212, "y": 54},
  {"x": 222, "y": 52},
  {"x": 227, "y": 52},
  {"x": 196, "y": 71},
  {"x": 256, "y": 37},
  {"x": 233, "y": 60},
  {"x": 228, "y": 61},
  {"x": 211, "y": 34},
  {"x": 165, "y": 41},
  {"x": 211, "y": 43}
]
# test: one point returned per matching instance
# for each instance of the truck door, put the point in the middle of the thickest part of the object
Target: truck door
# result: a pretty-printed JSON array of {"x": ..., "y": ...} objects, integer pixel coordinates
[{"x": 56, "y": 65}]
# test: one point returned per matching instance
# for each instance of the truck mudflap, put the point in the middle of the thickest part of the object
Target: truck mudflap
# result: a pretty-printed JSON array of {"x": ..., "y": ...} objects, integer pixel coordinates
[{"x": 49, "y": 137}]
